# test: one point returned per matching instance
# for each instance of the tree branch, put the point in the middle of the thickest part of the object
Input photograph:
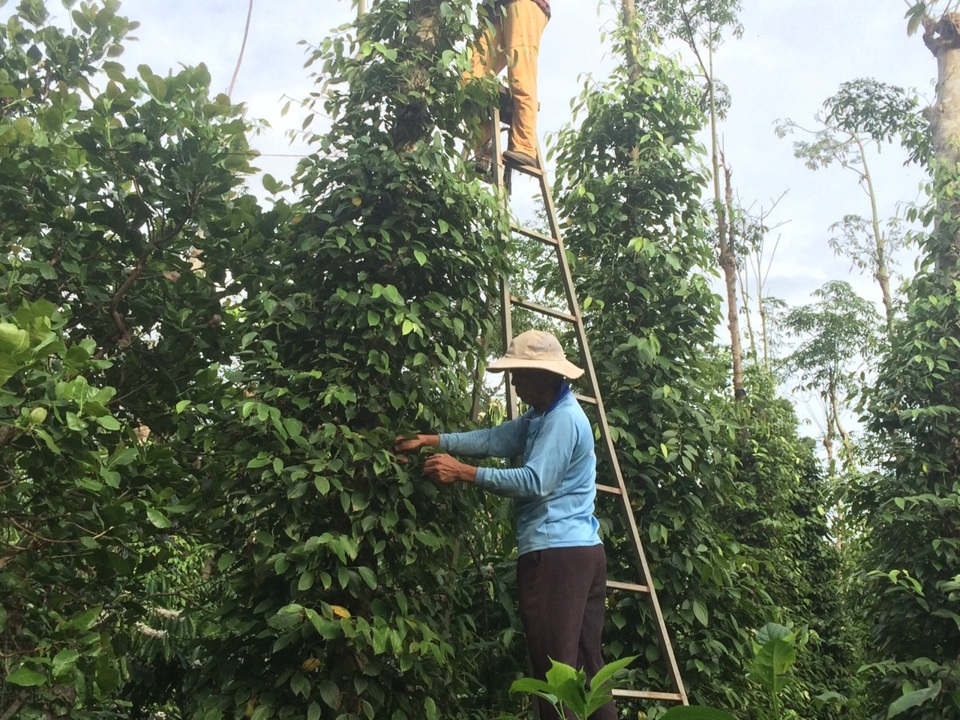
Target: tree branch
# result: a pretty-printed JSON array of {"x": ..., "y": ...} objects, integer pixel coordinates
[{"x": 14, "y": 707}]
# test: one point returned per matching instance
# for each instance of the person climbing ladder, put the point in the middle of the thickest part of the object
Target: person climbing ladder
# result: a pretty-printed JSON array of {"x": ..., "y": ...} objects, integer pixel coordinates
[{"x": 511, "y": 40}]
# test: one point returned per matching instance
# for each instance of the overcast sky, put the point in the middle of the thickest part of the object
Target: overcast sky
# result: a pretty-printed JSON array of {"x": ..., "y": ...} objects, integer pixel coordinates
[{"x": 792, "y": 56}]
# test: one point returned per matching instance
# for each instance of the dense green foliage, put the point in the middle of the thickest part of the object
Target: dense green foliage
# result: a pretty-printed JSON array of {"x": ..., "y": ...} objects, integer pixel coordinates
[
  {"x": 911, "y": 506},
  {"x": 200, "y": 512},
  {"x": 723, "y": 491},
  {"x": 350, "y": 579},
  {"x": 110, "y": 184}
]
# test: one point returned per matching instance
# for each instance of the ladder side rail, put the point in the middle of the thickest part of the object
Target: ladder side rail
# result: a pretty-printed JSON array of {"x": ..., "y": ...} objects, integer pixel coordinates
[
  {"x": 624, "y": 497},
  {"x": 561, "y": 251},
  {"x": 506, "y": 307},
  {"x": 513, "y": 404}
]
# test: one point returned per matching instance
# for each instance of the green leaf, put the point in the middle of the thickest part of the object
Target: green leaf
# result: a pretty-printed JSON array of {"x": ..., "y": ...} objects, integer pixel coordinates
[
  {"x": 560, "y": 672},
  {"x": 108, "y": 422},
  {"x": 391, "y": 294},
  {"x": 532, "y": 686},
  {"x": 158, "y": 519},
  {"x": 300, "y": 685},
  {"x": 47, "y": 440},
  {"x": 368, "y": 577},
  {"x": 84, "y": 620},
  {"x": 330, "y": 694},
  {"x": 293, "y": 426},
  {"x": 262, "y": 712},
  {"x": 25, "y": 677},
  {"x": 573, "y": 694},
  {"x": 700, "y": 612},
  {"x": 389, "y": 53},
  {"x": 830, "y": 696},
  {"x": 64, "y": 661},
  {"x": 606, "y": 673},
  {"x": 124, "y": 456},
  {"x": 8, "y": 367},
  {"x": 770, "y": 665},
  {"x": 913, "y": 699},
  {"x": 287, "y": 617},
  {"x": 773, "y": 631}
]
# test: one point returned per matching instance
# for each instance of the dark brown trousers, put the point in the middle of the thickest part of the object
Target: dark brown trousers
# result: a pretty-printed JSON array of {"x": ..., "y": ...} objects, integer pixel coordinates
[{"x": 561, "y": 594}]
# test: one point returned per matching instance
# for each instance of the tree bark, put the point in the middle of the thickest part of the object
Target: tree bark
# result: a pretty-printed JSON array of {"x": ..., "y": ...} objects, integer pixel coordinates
[
  {"x": 628, "y": 18},
  {"x": 728, "y": 263},
  {"x": 881, "y": 269},
  {"x": 942, "y": 37}
]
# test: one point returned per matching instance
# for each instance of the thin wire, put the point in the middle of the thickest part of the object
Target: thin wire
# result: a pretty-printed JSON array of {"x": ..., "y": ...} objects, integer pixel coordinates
[{"x": 243, "y": 46}]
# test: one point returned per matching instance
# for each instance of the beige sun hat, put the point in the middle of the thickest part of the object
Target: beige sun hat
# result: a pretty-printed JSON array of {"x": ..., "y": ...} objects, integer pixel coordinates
[{"x": 536, "y": 350}]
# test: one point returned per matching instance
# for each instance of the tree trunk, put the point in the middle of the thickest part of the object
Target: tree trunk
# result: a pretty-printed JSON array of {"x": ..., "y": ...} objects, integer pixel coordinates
[
  {"x": 943, "y": 39},
  {"x": 837, "y": 429},
  {"x": 881, "y": 270},
  {"x": 743, "y": 280},
  {"x": 628, "y": 17},
  {"x": 728, "y": 263}
]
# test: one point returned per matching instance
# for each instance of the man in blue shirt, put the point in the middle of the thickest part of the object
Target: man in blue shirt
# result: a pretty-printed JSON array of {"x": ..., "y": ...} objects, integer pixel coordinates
[{"x": 561, "y": 569}]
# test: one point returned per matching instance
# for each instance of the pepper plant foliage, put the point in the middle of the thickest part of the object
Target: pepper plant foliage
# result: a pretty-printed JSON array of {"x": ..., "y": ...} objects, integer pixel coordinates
[
  {"x": 200, "y": 510},
  {"x": 720, "y": 491},
  {"x": 111, "y": 183},
  {"x": 351, "y": 579},
  {"x": 911, "y": 505},
  {"x": 628, "y": 182}
]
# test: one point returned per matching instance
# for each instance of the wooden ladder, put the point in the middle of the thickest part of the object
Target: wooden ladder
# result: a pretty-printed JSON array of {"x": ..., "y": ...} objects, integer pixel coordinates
[{"x": 502, "y": 180}]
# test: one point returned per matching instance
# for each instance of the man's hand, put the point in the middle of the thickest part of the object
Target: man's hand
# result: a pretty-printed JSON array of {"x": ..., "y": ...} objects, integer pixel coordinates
[
  {"x": 403, "y": 444},
  {"x": 444, "y": 469}
]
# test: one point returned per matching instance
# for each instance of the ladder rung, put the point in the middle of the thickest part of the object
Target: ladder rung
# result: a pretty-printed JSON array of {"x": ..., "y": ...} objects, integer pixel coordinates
[
  {"x": 617, "y": 585},
  {"x": 525, "y": 169},
  {"x": 585, "y": 399},
  {"x": 534, "y": 235},
  {"x": 608, "y": 489},
  {"x": 646, "y": 694},
  {"x": 543, "y": 309}
]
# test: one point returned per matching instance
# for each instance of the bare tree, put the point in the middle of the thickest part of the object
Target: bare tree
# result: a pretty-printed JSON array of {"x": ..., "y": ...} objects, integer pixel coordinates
[
  {"x": 701, "y": 25},
  {"x": 861, "y": 114}
]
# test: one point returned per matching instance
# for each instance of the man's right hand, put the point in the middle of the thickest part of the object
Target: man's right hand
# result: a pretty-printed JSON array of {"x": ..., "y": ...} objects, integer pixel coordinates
[{"x": 405, "y": 444}]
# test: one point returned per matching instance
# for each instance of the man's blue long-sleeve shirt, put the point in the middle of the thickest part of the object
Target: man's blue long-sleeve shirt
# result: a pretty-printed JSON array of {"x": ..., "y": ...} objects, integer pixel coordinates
[{"x": 555, "y": 487}]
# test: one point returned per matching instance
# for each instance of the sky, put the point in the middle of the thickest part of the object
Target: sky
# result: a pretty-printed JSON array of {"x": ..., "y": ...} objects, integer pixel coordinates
[{"x": 793, "y": 55}]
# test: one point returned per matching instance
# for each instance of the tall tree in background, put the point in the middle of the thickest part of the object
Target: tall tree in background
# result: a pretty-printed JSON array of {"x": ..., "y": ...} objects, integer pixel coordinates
[
  {"x": 837, "y": 339},
  {"x": 701, "y": 24},
  {"x": 863, "y": 113},
  {"x": 755, "y": 261}
]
